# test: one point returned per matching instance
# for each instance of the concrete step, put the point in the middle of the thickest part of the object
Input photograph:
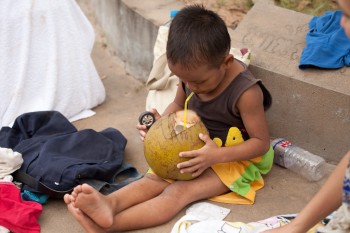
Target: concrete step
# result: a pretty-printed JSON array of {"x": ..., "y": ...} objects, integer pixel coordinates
[{"x": 311, "y": 108}]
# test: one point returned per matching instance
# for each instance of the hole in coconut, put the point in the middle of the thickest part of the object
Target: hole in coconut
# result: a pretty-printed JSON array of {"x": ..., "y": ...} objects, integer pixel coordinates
[{"x": 192, "y": 119}]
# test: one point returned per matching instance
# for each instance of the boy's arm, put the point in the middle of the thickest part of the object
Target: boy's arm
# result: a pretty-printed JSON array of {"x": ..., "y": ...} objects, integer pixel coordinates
[
  {"x": 328, "y": 199},
  {"x": 251, "y": 109},
  {"x": 178, "y": 103}
]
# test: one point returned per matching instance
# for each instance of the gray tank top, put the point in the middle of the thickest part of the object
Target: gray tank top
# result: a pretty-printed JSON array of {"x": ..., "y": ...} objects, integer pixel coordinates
[{"x": 219, "y": 114}]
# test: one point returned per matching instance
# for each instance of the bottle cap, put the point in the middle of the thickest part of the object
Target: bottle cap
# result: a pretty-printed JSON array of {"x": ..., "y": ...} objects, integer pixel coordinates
[{"x": 173, "y": 13}]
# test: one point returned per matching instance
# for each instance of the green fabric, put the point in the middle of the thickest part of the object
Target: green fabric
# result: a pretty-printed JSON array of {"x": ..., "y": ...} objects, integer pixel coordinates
[
  {"x": 266, "y": 163},
  {"x": 253, "y": 173}
]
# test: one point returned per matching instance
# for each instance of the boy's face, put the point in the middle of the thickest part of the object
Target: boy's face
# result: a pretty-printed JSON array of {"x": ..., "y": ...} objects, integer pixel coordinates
[
  {"x": 345, "y": 20},
  {"x": 201, "y": 80}
]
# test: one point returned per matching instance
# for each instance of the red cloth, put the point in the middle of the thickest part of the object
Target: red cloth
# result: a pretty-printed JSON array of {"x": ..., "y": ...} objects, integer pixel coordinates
[{"x": 17, "y": 215}]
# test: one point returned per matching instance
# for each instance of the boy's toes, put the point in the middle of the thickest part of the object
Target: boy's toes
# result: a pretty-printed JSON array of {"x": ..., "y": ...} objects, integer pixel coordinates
[{"x": 68, "y": 199}]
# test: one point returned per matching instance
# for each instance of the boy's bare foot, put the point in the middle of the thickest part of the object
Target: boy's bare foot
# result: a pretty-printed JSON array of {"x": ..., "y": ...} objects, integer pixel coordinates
[
  {"x": 88, "y": 225},
  {"x": 68, "y": 198},
  {"x": 94, "y": 205}
]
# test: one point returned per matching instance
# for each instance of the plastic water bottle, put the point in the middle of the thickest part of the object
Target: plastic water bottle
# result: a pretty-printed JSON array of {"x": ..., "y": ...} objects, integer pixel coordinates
[{"x": 298, "y": 160}]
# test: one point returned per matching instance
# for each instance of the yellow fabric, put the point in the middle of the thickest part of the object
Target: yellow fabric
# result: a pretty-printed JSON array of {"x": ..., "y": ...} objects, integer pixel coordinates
[
  {"x": 231, "y": 172},
  {"x": 243, "y": 178}
]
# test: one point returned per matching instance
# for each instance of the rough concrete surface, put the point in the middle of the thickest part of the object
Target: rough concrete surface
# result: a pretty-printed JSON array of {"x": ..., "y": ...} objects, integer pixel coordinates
[{"x": 285, "y": 192}]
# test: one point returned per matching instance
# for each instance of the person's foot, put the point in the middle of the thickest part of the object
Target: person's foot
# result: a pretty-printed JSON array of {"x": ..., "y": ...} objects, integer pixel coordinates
[
  {"x": 68, "y": 198},
  {"x": 93, "y": 204},
  {"x": 88, "y": 225}
]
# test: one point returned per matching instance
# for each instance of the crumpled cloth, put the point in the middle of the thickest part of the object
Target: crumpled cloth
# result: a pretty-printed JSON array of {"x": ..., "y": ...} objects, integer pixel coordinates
[
  {"x": 17, "y": 215},
  {"x": 327, "y": 45},
  {"x": 4, "y": 230},
  {"x": 45, "y": 61},
  {"x": 10, "y": 161}
]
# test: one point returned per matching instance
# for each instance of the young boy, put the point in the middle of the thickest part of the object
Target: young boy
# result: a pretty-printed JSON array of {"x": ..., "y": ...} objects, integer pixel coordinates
[{"x": 226, "y": 97}]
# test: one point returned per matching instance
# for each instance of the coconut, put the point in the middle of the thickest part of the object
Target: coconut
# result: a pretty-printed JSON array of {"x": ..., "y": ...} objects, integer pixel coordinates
[{"x": 169, "y": 136}]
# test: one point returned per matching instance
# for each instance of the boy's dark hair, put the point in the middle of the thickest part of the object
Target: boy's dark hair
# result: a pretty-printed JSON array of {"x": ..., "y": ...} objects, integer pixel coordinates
[{"x": 197, "y": 36}]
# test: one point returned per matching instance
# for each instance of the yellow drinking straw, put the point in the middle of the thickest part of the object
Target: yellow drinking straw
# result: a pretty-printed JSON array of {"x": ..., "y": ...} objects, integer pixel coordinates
[{"x": 185, "y": 110}]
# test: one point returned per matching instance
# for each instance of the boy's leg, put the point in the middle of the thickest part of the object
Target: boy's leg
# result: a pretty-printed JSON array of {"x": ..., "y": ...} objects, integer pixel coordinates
[
  {"x": 103, "y": 208},
  {"x": 88, "y": 225},
  {"x": 162, "y": 207}
]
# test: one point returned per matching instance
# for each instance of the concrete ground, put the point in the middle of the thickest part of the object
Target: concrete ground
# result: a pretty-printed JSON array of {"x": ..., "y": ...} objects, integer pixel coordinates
[{"x": 285, "y": 192}]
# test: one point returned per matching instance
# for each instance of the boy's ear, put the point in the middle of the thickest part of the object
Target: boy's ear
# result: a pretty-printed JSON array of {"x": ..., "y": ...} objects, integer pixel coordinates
[{"x": 228, "y": 60}]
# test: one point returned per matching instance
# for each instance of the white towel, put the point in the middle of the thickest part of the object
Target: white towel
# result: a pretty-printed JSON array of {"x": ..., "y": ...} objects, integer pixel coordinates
[
  {"x": 4, "y": 230},
  {"x": 45, "y": 61},
  {"x": 10, "y": 161}
]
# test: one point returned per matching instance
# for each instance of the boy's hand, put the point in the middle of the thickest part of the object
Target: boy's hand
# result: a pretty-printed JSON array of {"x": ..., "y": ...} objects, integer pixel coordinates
[
  {"x": 143, "y": 128},
  {"x": 201, "y": 159}
]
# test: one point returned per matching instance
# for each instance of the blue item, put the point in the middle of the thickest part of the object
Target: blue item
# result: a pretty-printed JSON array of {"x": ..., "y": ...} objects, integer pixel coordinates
[
  {"x": 37, "y": 197},
  {"x": 173, "y": 13},
  {"x": 327, "y": 45}
]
